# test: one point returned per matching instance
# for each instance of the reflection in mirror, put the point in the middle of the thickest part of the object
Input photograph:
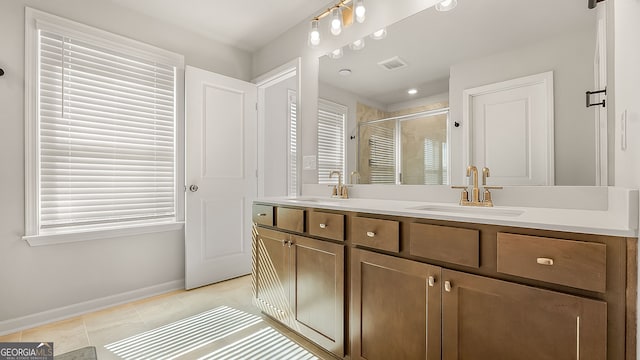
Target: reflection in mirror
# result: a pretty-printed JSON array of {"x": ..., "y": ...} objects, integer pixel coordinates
[
  {"x": 404, "y": 149},
  {"x": 441, "y": 55}
]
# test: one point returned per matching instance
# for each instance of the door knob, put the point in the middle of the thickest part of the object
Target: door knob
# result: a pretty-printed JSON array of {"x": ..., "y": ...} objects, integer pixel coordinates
[{"x": 193, "y": 188}]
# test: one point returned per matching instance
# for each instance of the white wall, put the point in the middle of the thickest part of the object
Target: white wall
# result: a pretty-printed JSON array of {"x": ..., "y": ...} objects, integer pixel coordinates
[
  {"x": 38, "y": 280},
  {"x": 570, "y": 57},
  {"x": 293, "y": 44}
]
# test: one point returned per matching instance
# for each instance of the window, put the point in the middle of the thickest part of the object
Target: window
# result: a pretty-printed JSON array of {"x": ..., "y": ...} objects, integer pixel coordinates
[
  {"x": 382, "y": 156},
  {"x": 102, "y": 130},
  {"x": 435, "y": 162},
  {"x": 331, "y": 133},
  {"x": 292, "y": 163}
]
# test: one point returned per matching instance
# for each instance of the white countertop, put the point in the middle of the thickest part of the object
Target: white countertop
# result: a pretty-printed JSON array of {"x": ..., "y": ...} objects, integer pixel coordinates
[{"x": 619, "y": 219}]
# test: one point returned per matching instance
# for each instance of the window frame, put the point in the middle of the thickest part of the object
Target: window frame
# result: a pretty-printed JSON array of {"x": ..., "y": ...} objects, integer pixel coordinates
[{"x": 35, "y": 19}]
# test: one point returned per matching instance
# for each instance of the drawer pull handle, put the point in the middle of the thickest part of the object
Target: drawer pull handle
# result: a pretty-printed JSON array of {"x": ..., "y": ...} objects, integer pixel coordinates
[
  {"x": 262, "y": 214},
  {"x": 544, "y": 261},
  {"x": 323, "y": 226},
  {"x": 447, "y": 286},
  {"x": 371, "y": 234},
  {"x": 432, "y": 281}
]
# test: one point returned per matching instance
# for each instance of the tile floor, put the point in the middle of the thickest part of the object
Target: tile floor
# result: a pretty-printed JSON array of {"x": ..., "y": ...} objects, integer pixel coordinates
[{"x": 218, "y": 321}]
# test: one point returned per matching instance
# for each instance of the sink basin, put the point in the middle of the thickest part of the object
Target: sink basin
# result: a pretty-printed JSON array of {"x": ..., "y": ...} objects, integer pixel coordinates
[
  {"x": 318, "y": 200},
  {"x": 469, "y": 210}
]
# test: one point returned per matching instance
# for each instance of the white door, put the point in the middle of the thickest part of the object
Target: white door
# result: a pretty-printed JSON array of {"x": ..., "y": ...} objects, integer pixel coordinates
[
  {"x": 221, "y": 162},
  {"x": 510, "y": 130}
]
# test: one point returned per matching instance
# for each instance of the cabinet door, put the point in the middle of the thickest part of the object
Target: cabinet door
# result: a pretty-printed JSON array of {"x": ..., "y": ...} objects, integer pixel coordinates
[
  {"x": 318, "y": 296},
  {"x": 492, "y": 319},
  {"x": 395, "y": 313},
  {"x": 271, "y": 274}
]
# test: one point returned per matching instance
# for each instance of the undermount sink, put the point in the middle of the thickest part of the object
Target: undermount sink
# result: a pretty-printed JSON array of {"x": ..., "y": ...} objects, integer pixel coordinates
[
  {"x": 469, "y": 210},
  {"x": 317, "y": 200}
]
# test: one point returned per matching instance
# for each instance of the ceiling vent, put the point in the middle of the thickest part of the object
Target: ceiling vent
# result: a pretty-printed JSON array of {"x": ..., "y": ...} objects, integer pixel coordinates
[{"x": 393, "y": 63}]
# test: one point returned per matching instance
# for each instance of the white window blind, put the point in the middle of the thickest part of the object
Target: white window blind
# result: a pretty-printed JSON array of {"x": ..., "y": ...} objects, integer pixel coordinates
[
  {"x": 292, "y": 168},
  {"x": 331, "y": 133},
  {"x": 435, "y": 162},
  {"x": 382, "y": 155},
  {"x": 106, "y": 135}
]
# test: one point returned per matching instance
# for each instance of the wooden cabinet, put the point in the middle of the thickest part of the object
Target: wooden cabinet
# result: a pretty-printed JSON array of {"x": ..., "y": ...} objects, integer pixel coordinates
[
  {"x": 432, "y": 289},
  {"x": 299, "y": 281},
  {"x": 484, "y": 318},
  {"x": 318, "y": 292},
  {"x": 395, "y": 308},
  {"x": 272, "y": 274}
]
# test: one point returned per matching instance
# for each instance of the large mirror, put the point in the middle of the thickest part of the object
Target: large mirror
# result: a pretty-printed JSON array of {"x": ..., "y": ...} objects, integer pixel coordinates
[{"x": 400, "y": 138}]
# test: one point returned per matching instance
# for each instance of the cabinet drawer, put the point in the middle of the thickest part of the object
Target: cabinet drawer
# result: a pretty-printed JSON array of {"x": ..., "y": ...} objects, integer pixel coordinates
[
  {"x": 327, "y": 225},
  {"x": 577, "y": 264},
  {"x": 262, "y": 214},
  {"x": 376, "y": 233},
  {"x": 444, "y": 243},
  {"x": 290, "y": 219}
]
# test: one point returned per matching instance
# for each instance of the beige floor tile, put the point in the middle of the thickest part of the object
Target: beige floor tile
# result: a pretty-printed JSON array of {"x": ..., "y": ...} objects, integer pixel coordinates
[
  {"x": 15, "y": 337},
  {"x": 66, "y": 335},
  {"x": 125, "y": 321}
]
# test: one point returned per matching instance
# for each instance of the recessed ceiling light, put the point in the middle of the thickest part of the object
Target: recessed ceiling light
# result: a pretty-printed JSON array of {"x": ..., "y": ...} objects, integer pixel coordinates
[
  {"x": 344, "y": 72},
  {"x": 336, "y": 54},
  {"x": 357, "y": 45},
  {"x": 379, "y": 35},
  {"x": 412, "y": 91},
  {"x": 446, "y": 5}
]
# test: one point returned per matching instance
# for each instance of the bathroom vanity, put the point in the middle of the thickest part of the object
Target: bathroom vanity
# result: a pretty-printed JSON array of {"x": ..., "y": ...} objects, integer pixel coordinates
[{"x": 387, "y": 279}]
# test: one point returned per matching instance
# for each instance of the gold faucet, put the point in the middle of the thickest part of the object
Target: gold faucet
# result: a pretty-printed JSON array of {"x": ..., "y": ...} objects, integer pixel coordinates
[
  {"x": 475, "y": 192},
  {"x": 339, "y": 191},
  {"x": 472, "y": 172}
]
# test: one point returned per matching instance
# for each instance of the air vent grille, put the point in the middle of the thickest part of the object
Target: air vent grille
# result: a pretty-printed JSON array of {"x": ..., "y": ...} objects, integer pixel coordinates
[{"x": 393, "y": 63}]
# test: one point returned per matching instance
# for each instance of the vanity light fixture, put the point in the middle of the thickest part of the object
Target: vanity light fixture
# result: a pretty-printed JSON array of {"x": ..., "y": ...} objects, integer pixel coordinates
[
  {"x": 446, "y": 5},
  {"x": 357, "y": 45},
  {"x": 342, "y": 14},
  {"x": 336, "y": 21},
  {"x": 412, "y": 91},
  {"x": 359, "y": 11},
  {"x": 379, "y": 35},
  {"x": 336, "y": 54},
  {"x": 314, "y": 34}
]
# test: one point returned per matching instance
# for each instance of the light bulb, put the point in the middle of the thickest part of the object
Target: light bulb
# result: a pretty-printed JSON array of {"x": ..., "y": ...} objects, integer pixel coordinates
[
  {"x": 446, "y": 5},
  {"x": 336, "y": 54},
  {"x": 380, "y": 34},
  {"x": 412, "y": 91},
  {"x": 360, "y": 11},
  {"x": 357, "y": 45},
  {"x": 314, "y": 34},
  {"x": 336, "y": 21}
]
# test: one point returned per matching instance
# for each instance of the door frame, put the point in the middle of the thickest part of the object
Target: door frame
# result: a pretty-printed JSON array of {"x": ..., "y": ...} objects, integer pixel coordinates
[
  {"x": 263, "y": 82},
  {"x": 545, "y": 78},
  {"x": 600, "y": 114}
]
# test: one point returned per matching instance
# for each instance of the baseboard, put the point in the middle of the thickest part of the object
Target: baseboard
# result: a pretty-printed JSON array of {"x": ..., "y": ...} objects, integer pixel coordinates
[{"x": 26, "y": 322}]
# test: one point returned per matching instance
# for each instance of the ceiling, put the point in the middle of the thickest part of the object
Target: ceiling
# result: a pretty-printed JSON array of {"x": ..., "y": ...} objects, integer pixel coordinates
[
  {"x": 430, "y": 42},
  {"x": 245, "y": 24}
]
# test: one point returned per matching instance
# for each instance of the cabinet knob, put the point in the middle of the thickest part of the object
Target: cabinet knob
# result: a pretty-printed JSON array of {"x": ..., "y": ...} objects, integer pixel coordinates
[
  {"x": 262, "y": 214},
  {"x": 290, "y": 243},
  {"x": 447, "y": 286},
  {"x": 323, "y": 226},
  {"x": 284, "y": 242},
  {"x": 371, "y": 234},
  {"x": 544, "y": 261},
  {"x": 431, "y": 281}
]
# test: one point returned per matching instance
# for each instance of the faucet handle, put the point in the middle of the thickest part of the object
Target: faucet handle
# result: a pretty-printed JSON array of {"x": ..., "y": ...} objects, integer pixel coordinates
[
  {"x": 464, "y": 195},
  {"x": 492, "y": 187},
  {"x": 487, "y": 200}
]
